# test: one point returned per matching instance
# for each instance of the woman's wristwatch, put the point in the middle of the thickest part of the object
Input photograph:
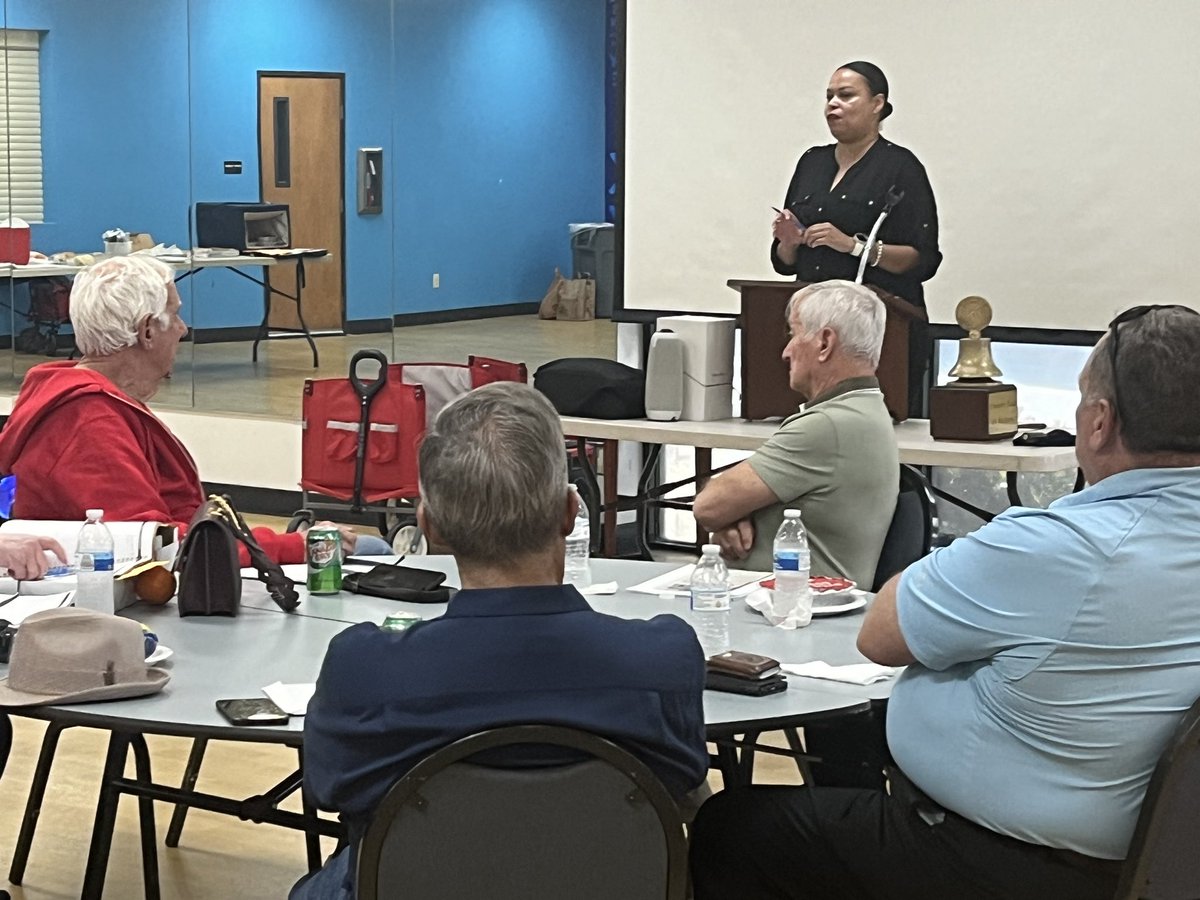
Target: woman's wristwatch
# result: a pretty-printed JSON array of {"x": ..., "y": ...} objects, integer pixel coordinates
[{"x": 860, "y": 244}]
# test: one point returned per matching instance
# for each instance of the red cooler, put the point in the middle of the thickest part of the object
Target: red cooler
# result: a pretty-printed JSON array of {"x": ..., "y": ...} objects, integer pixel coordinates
[{"x": 14, "y": 241}]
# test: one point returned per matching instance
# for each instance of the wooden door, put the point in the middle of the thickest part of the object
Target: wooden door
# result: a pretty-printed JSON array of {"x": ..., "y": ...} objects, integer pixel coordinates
[{"x": 301, "y": 163}]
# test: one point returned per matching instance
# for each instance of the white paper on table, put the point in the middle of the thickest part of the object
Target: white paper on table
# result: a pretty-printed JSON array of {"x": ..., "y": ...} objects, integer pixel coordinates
[
  {"x": 856, "y": 673},
  {"x": 678, "y": 582},
  {"x": 21, "y": 606},
  {"x": 291, "y": 698}
]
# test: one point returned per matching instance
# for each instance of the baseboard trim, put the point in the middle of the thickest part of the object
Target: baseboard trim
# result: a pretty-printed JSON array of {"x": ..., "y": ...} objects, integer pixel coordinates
[
  {"x": 438, "y": 316},
  {"x": 224, "y": 335},
  {"x": 368, "y": 326}
]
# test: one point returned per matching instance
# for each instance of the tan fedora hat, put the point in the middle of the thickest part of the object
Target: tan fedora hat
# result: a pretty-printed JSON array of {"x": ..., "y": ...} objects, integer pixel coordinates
[{"x": 78, "y": 656}]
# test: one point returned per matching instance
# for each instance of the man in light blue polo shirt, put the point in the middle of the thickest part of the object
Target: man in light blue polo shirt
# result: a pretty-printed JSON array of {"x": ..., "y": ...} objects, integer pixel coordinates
[{"x": 1051, "y": 655}]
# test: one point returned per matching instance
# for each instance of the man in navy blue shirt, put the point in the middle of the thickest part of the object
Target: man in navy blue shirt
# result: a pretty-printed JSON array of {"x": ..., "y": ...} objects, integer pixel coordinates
[{"x": 514, "y": 646}]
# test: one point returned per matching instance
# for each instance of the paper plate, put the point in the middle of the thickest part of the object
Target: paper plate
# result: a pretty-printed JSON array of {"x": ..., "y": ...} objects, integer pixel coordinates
[
  {"x": 161, "y": 653},
  {"x": 836, "y": 604}
]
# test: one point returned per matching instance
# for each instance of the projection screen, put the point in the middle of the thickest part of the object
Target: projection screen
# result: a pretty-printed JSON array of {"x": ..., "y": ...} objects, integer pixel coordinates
[{"x": 1062, "y": 141}]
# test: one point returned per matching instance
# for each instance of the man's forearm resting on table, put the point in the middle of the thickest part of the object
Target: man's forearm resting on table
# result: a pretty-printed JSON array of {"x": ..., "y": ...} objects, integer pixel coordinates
[
  {"x": 880, "y": 639},
  {"x": 731, "y": 497}
]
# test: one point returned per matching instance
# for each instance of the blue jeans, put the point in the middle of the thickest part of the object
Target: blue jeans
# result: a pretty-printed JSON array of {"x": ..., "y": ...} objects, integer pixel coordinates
[
  {"x": 371, "y": 545},
  {"x": 328, "y": 882}
]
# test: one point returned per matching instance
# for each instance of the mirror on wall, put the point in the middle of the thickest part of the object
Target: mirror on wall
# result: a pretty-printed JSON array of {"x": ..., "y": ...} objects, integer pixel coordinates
[
  {"x": 436, "y": 151},
  {"x": 97, "y": 131},
  {"x": 279, "y": 107}
]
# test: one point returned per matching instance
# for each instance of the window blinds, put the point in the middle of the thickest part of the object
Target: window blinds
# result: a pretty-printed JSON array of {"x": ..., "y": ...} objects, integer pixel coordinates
[{"x": 20, "y": 126}]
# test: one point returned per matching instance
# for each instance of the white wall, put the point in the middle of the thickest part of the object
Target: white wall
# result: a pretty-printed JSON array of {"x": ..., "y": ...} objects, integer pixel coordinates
[{"x": 1062, "y": 140}]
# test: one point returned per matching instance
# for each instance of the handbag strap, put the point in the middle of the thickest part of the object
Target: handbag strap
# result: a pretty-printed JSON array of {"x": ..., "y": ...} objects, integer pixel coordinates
[{"x": 282, "y": 591}]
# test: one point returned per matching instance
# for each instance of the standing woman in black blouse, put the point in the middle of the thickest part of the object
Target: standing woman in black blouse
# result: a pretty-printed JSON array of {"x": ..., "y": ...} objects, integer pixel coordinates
[{"x": 839, "y": 190}]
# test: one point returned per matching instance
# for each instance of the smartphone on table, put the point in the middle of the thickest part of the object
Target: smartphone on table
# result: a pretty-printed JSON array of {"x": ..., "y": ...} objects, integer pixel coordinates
[{"x": 252, "y": 711}]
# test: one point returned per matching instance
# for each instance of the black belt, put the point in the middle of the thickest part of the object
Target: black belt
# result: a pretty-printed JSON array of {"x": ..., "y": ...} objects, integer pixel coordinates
[{"x": 932, "y": 814}]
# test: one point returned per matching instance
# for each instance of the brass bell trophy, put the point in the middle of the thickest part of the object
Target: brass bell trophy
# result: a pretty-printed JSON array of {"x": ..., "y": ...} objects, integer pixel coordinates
[{"x": 973, "y": 407}]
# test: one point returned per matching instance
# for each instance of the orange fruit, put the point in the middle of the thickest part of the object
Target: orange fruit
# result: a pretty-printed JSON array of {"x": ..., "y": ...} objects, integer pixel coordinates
[{"x": 155, "y": 585}]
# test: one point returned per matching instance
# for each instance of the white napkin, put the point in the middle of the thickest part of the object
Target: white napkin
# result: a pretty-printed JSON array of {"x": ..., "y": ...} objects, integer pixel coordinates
[
  {"x": 291, "y": 698},
  {"x": 858, "y": 673},
  {"x": 595, "y": 590},
  {"x": 763, "y": 600}
]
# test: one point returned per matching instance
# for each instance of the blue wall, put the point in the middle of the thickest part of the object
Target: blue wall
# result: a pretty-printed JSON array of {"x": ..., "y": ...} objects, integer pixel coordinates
[
  {"x": 499, "y": 142},
  {"x": 491, "y": 113}
]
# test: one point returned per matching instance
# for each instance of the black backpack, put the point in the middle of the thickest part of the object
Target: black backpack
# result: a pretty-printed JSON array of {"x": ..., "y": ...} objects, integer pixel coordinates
[{"x": 596, "y": 388}]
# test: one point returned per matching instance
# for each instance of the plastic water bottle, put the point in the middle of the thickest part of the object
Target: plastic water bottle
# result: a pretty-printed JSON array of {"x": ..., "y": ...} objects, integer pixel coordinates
[
  {"x": 710, "y": 601},
  {"x": 94, "y": 559},
  {"x": 792, "y": 595},
  {"x": 577, "y": 570}
]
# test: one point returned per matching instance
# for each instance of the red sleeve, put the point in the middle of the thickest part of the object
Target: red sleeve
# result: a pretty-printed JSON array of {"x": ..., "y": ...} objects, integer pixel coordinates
[
  {"x": 284, "y": 548},
  {"x": 90, "y": 459}
]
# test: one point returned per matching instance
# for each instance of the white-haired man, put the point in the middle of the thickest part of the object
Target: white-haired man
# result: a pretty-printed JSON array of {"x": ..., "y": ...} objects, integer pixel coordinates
[
  {"x": 1050, "y": 655},
  {"x": 515, "y": 645},
  {"x": 835, "y": 460},
  {"x": 81, "y": 435}
]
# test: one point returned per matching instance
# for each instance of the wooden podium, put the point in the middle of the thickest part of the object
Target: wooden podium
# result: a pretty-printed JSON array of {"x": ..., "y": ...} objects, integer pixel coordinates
[{"x": 765, "y": 390}]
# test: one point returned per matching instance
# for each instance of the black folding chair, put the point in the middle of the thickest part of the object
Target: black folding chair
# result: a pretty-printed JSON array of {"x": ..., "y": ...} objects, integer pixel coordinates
[
  {"x": 1163, "y": 863},
  {"x": 910, "y": 534},
  {"x": 599, "y": 828}
]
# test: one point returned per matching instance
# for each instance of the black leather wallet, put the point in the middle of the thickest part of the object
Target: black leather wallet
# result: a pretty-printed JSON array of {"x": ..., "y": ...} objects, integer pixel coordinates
[
  {"x": 731, "y": 684},
  {"x": 743, "y": 664}
]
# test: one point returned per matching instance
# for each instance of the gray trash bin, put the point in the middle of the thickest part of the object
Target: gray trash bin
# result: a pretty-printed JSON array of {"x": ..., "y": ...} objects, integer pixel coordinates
[{"x": 594, "y": 255}]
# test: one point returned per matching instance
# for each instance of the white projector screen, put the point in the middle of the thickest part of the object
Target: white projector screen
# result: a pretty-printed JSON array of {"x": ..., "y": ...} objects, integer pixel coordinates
[{"x": 1062, "y": 140}]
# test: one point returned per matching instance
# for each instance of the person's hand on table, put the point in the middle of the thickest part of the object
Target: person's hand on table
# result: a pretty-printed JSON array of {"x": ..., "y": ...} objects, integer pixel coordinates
[
  {"x": 787, "y": 230},
  {"x": 825, "y": 235},
  {"x": 735, "y": 540},
  {"x": 24, "y": 555},
  {"x": 349, "y": 536}
]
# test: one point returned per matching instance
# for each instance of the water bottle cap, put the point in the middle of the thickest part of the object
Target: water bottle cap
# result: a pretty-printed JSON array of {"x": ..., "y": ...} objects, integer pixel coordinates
[
  {"x": 95, "y": 513},
  {"x": 791, "y": 513},
  {"x": 711, "y": 549}
]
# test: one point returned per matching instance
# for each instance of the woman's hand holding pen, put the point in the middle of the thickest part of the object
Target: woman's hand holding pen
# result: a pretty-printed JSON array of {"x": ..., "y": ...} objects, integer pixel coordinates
[
  {"x": 787, "y": 229},
  {"x": 825, "y": 235}
]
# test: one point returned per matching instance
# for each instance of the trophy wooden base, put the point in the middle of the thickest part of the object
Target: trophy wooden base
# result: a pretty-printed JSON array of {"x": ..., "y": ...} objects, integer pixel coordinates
[{"x": 979, "y": 411}]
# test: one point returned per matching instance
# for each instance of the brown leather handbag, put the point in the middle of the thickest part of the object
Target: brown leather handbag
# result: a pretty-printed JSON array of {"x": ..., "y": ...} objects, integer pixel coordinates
[{"x": 210, "y": 582}]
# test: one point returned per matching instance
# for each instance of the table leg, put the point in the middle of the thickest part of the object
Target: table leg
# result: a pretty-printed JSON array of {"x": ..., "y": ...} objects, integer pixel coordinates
[
  {"x": 141, "y": 763},
  {"x": 591, "y": 485},
  {"x": 190, "y": 773},
  {"x": 1014, "y": 496},
  {"x": 703, "y": 470},
  {"x": 643, "y": 504},
  {"x": 33, "y": 806},
  {"x": 106, "y": 817},
  {"x": 797, "y": 747},
  {"x": 312, "y": 841},
  {"x": 727, "y": 764},
  {"x": 300, "y": 309},
  {"x": 610, "y": 456}
]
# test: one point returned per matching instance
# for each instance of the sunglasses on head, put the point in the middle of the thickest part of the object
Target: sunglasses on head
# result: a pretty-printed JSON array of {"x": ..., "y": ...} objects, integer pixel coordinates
[{"x": 1114, "y": 335}]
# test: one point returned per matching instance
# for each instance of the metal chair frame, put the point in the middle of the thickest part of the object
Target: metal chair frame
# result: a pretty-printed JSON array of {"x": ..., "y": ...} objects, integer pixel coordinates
[{"x": 407, "y": 790}]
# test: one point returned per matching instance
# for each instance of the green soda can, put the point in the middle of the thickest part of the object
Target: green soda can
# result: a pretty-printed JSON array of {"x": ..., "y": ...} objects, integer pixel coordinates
[
  {"x": 323, "y": 550},
  {"x": 399, "y": 622}
]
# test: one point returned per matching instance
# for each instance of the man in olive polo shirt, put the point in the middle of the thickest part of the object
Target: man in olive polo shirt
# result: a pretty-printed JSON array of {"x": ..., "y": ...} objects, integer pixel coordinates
[{"x": 835, "y": 460}]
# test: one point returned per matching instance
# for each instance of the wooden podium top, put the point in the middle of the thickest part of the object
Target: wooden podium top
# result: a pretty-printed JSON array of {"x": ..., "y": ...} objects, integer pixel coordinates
[{"x": 893, "y": 302}]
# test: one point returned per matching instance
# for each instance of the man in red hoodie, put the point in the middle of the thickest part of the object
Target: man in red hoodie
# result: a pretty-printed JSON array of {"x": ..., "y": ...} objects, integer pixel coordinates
[{"x": 81, "y": 436}]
